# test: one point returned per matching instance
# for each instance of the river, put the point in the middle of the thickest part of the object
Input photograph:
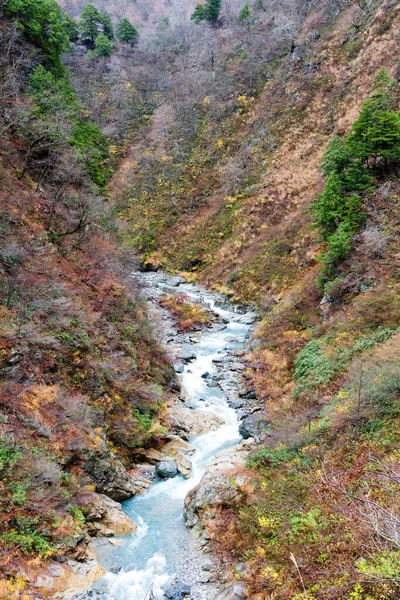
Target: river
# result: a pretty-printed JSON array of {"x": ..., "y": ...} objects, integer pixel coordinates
[{"x": 161, "y": 549}]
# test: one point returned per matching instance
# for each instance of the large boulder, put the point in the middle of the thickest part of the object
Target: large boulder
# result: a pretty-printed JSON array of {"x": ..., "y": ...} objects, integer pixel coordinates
[
  {"x": 110, "y": 476},
  {"x": 105, "y": 517},
  {"x": 177, "y": 591},
  {"x": 62, "y": 581},
  {"x": 166, "y": 469},
  {"x": 184, "y": 421},
  {"x": 220, "y": 485},
  {"x": 254, "y": 426}
]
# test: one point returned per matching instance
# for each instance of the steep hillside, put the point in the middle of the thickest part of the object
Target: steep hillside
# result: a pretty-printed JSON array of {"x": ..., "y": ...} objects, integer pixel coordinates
[
  {"x": 257, "y": 154},
  {"x": 83, "y": 382},
  {"x": 220, "y": 185}
]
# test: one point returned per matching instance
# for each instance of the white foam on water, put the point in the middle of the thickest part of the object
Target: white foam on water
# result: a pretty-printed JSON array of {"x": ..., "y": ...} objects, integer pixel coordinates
[{"x": 134, "y": 585}]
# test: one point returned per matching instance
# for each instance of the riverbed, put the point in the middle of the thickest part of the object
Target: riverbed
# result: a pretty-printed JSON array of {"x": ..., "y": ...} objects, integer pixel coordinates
[{"x": 162, "y": 551}]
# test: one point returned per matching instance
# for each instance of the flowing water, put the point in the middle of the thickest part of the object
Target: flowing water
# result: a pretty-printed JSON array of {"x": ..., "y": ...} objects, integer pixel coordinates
[{"x": 161, "y": 548}]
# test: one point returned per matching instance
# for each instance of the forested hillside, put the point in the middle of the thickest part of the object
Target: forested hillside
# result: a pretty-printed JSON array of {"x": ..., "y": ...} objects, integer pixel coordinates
[{"x": 255, "y": 149}]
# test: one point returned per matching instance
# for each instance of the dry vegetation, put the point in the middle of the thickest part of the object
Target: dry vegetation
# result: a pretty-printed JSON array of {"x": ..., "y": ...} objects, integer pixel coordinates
[
  {"x": 188, "y": 316},
  {"x": 217, "y": 135}
]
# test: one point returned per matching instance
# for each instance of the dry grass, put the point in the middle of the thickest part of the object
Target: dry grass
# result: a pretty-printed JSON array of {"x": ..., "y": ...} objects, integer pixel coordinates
[{"x": 188, "y": 316}]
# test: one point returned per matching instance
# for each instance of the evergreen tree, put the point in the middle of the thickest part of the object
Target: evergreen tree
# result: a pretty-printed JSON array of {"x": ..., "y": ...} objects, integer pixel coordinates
[
  {"x": 352, "y": 173},
  {"x": 71, "y": 27},
  {"x": 127, "y": 33},
  {"x": 102, "y": 46},
  {"x": 329, "y": 206},
  {"x": 245, "y": 13},
  {"x": 376, "y": 132},
  {"x": 336, "y": 157},
  {"x": 207, "y": 12},
  {"x": 108, "y": 28},
  {"x": 90, "y": 24},
  {"x": 42, "y": 23}
]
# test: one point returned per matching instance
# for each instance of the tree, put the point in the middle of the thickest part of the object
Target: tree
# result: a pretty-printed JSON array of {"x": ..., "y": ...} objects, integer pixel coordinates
[
  {"x": 108, "y": 29},
  {"x": 245, "y": 13},
  {"x": 90, "y": 24},
  {"x": 207, "y": 12},
  {"x": 376, "y": 132},
  {"x": 71, "y": 27},
  {"x": 102, "y": 46},
  {"x": 42, "y": 23},
  {"x": 127, "y": 33},
  {"x": 336, "y": 157}
]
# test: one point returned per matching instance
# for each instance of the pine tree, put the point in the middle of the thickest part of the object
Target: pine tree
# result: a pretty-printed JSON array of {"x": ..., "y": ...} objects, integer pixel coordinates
[
  {"x": 127, "y": 33},
  {"x": 207, "y": 12},
  {"x": 336, "y": 157},
  {"x": 376, "y": 132},
  {"x": 352, "y": 173},
  {"x": 71, "y": 27},
  {"x": 90, "y": 23},
  {"x": 329, "y": 206},
  {"x": 42, "y": 23},
  {"x": 102, "y": 46},
  {"x": 108, "y": 28},
  {"x": 245, "y": 13}
]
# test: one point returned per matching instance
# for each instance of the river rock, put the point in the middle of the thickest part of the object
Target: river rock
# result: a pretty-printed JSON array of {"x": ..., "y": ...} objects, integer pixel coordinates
[
  {"x": 166, "y": 469},
  {"x": 176, "y": 445},
  {"x": 187, "y": 355},
  {"x": 183, "y": 465},
  {"x": 153, "y": 456},
  {"x": 105, "y": 517},
  {"x": 177, "y": 591},
  {"x": 110, "y": 476},
  {"x": 62, "y": 581},
  {"x": 219, "y": 484},
  {"x": 182, "y": 418},
  {"x": 254, "y": 426},
  {"x": 231, "y": 591}
]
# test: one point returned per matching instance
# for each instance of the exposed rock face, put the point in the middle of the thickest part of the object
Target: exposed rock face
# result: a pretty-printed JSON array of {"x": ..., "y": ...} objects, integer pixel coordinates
[
  {"x": 166, "y": 469},
  {"x": 62, "y": 581},
  {"x": 254, "y": 426},
  {"x": 106, "y": 517},
  {"x": 219, "y": 486},
  {"x": 110, "y": 476}
]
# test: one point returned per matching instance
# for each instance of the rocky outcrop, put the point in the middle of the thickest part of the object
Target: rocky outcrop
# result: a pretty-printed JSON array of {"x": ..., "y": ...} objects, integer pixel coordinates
[
  {"x": 220, "y": 484},
  {"x": 254, "y": 426},
  {"x": 106, "y": 518},
  {"x": 110, "y": 476},
  {"x": 61, "y": 581}
]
